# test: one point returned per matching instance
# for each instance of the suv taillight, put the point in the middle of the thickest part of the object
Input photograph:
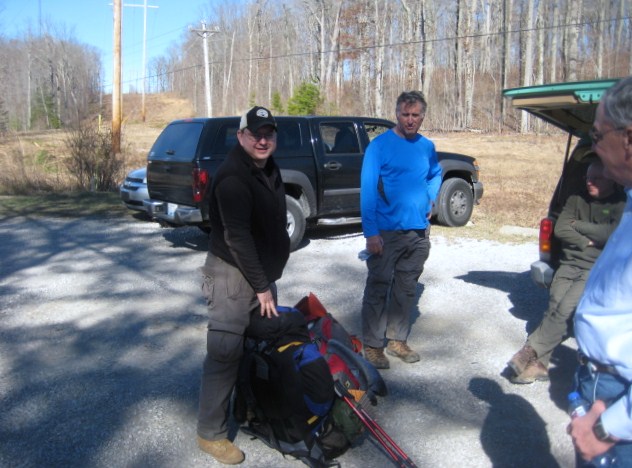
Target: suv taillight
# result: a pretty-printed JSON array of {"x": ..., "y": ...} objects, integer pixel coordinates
[
  {"x": 546, "y": 238},
  {"x": 200, "y": 182}
]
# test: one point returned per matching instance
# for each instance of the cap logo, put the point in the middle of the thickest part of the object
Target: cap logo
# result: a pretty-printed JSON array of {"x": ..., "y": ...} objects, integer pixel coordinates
[{"x": 262, "y": 113}]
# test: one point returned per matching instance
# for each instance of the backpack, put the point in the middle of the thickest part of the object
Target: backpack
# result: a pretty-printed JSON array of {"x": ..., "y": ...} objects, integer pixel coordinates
[{"x": 285, "y": 394}]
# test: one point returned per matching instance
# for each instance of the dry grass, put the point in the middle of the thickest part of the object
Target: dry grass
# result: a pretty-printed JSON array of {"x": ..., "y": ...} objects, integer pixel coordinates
[
  {"x": 519, "y": 172},
  {"x": 34, "y": 161}
]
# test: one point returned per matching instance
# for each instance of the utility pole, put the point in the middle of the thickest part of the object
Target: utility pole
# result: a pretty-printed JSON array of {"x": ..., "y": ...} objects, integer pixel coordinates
[
  {"x": 116, "y": 88},
  {"x": 144, "y": 73},
  {"x": 205, "y": 33}
]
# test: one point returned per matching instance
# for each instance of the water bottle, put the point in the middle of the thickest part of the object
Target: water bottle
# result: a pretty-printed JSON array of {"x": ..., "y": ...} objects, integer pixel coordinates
[
  {"x": 578, "y": 407},
  {"x": 364, "y": 255}
]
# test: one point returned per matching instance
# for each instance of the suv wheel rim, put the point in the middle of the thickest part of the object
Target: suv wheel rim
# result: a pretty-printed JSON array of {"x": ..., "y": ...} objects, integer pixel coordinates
[
  {"x": 291, "y": 224},
  {"x": 458, "y": 203}
]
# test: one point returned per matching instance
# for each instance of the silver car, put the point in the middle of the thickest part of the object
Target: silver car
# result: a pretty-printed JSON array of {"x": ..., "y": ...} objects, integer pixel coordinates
[{"x": 134, "y": 189}]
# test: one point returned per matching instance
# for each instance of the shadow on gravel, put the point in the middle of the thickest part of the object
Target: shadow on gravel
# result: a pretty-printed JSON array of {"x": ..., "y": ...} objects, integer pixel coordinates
[
  {"x": 561, "y": 371},
  {"x": 529, "y": 302},
  {"x": 73, "y": 388},
  {"x": 87, "y": 365},
  {"x": 512, "y": 434},
  {"x": 188, "y": 237}
]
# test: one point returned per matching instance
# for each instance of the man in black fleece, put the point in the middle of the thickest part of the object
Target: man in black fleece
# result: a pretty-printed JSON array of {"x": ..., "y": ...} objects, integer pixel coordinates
[
  {"x": 583, "y": 227},
  {"x": 249, "y": 247}
]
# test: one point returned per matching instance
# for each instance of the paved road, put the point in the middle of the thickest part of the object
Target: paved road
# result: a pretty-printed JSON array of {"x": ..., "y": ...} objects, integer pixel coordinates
[{"x": 102, "y": 331}]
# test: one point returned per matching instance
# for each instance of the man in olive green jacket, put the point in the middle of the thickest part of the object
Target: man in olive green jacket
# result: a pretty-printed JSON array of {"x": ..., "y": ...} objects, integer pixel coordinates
[{"x": 583, "y": 227}]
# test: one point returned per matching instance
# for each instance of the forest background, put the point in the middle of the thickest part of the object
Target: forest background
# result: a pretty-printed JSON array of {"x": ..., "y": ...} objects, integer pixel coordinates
[{"x": 358, "y": 54}]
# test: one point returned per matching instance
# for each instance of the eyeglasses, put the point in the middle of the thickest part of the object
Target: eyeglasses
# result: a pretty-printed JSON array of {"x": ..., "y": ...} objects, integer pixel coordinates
[
  {"x": 596, "y": 136},
  {"x": 261, "y": 136}
]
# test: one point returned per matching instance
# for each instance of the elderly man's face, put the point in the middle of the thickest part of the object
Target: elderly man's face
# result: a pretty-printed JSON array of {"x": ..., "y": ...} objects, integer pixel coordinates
[{"x": 611, "y": 146}]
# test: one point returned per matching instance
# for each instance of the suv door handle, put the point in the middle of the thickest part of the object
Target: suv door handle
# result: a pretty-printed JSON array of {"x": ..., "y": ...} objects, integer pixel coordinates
[{"x": 333, "y": 165}]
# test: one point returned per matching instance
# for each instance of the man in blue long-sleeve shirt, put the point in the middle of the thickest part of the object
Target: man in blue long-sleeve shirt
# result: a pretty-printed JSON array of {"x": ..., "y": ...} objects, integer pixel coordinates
[{"x": 401, "y": 178}]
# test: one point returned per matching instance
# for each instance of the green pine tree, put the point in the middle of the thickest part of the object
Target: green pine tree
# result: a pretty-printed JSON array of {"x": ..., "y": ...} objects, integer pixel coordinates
[
  {"x": 305, "y": 101},
  {"x": 277, "y": 104}
]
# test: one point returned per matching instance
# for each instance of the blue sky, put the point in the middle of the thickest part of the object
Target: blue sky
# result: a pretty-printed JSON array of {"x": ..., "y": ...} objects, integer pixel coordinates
[{"x": 91, "y": 22}]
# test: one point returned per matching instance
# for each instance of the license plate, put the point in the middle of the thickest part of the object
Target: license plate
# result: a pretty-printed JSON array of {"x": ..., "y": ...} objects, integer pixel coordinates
[{"x": 171, "y": 208}]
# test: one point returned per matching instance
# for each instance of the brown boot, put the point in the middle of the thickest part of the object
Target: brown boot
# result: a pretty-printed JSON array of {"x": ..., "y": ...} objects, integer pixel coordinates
[
  {"x": 376, "y": 357},
  {"x": 223, "y": 450},
  {"x": 401, "y": 350},
  {"x": 522, "y": 359},
  {"x": 534, "y": 372}
]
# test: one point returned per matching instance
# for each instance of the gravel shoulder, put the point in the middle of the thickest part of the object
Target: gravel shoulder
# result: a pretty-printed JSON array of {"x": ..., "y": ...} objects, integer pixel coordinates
[{"x": 102, "y": 336}]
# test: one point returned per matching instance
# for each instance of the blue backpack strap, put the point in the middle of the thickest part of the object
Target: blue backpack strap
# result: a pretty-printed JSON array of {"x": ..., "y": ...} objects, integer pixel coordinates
[{"x": 370, "y": 378}]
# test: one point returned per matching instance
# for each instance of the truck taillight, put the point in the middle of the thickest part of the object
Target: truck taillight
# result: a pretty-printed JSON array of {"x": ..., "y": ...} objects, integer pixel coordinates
[
  {"x": 546, "y": 236},
  {"x": 200, "y": 183}
]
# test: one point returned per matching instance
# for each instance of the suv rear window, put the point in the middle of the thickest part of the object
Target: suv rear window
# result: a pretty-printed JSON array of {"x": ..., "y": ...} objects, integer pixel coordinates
[
  {"x": 177, "y": 142},
  {"x": 224, "y": 141}
]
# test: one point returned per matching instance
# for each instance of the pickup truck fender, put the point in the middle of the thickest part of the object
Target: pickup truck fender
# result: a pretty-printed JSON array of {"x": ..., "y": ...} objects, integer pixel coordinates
[{"x": 298, "y": 186}]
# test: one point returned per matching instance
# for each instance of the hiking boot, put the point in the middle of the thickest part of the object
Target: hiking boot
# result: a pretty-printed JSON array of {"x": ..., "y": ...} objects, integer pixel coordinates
[
  {"x": 401, "y": 350},
  {"x": 522, "y": 359},
  {"x": 534, "y": 372},
  {"x": 224, "y": 451},
  {"x": 376, "y": 357}
]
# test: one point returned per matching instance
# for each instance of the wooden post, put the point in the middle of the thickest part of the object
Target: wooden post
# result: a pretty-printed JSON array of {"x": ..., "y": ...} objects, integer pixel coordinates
[{"x": 116, "y": 88}]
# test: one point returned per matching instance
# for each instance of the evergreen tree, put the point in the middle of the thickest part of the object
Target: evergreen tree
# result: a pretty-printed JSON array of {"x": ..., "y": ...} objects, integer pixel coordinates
[
  {"x": 277, "y": 104},
  {"x": 305, "y": 100}
]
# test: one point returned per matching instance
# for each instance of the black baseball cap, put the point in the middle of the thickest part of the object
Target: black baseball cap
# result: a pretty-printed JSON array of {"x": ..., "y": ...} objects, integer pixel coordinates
[{"x": 256, "y": 118}]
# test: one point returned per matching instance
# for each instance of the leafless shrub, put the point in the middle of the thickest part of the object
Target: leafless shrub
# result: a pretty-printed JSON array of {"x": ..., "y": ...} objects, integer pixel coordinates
[{"x": 91, "y": 161}]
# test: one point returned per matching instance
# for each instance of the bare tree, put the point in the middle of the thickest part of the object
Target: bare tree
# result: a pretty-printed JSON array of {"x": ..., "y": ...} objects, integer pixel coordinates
[
  {"x": 554, "y": 42},
  {"x": 571, "y": 44},
  {"x": 527, "y": 78},
  {"x": 506, "y": 49}
]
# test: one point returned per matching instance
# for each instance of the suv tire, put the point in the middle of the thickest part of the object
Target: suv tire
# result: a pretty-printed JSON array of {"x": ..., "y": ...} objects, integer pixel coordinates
[
  {"x": 454, "y": 203},
  {"x": 295, "y": 222}
]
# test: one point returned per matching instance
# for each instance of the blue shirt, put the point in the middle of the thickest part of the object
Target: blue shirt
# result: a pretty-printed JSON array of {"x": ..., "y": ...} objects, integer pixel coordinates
[
  {"x": 410, "y": 180},
  {"x": 603, "y": 320}
]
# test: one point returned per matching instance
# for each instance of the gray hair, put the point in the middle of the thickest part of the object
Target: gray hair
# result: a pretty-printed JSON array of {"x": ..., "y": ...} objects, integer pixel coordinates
[
  {"x": 617, "y": 103},
  {"x": 412, "y": 97}
]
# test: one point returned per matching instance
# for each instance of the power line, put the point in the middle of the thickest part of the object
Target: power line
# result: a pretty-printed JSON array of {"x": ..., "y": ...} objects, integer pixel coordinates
[{"x": 397, "y": 44}]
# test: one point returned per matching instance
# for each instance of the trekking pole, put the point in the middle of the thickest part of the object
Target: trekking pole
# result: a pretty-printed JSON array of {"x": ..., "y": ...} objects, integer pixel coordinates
[
  {"x": 381, "y": 436},
  {"x": 373, "y": 431},
  {"x": 385, "y": 435},
  {"x": 393, "y": 450}
]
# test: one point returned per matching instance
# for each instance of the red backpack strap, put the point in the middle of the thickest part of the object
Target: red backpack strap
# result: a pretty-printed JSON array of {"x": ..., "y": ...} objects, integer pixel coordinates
[
  {"x": 311, "y": 307},
  {"x": 357, "y": 344}
]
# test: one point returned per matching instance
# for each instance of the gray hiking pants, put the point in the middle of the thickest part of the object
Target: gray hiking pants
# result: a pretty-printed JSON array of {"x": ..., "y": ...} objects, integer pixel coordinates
[
  {"x": 557, "y": 324},
  {"x": 390, "y": 293},
  {"x": 230, "y": 300}
]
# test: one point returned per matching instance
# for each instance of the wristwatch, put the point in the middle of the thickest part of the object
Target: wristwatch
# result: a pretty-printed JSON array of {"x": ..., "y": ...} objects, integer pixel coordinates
[{"x": 601, "y": 433}]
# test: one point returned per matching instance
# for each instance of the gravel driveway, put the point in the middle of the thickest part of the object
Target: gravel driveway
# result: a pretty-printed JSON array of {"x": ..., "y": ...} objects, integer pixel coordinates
[{"x": 102, "y": 335}]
